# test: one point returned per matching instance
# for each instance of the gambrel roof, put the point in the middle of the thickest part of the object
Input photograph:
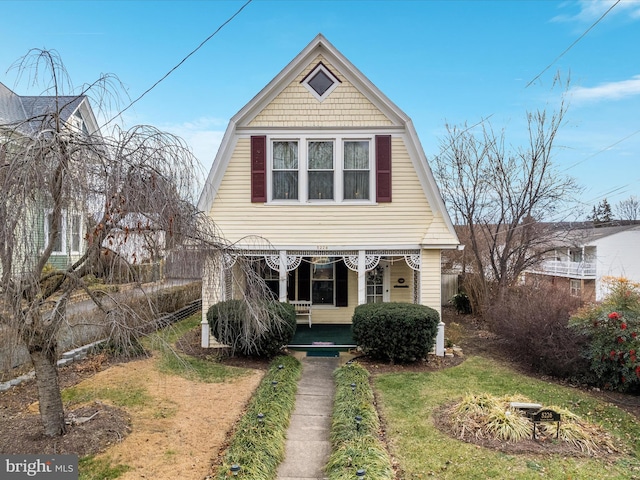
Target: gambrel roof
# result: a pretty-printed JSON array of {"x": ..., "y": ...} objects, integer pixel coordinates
[{"x": 257, "y": 118}]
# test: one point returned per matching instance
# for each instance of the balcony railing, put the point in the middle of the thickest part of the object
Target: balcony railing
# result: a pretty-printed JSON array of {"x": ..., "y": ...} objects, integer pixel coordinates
[{"x": 568, "y": 269}]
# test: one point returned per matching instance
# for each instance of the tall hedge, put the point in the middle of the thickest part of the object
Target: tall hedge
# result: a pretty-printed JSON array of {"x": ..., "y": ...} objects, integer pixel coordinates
[
  {"x": 396, "y": 332},
  {"x": 233, "y": 325}
]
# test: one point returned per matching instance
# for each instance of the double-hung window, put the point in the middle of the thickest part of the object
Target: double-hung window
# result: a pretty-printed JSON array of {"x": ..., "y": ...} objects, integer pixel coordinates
[
  {"x": 285, "y": 170},
  {"x": 356, "y": 170},
  {"x": 69, "y": 237},
  {"x": 320, "y": 170},
  {"x": 575, "y": 287}
]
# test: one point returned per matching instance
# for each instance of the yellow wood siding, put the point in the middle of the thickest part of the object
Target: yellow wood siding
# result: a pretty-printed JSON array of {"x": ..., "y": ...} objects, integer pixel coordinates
[
  {"x": 401, "y": 292},
  {"x": 296, "y": 107},
  {"x": 405, "y": 220}
]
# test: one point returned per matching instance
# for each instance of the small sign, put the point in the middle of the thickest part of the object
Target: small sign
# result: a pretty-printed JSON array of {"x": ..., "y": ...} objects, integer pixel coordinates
[{"x": 545, "y": 415}]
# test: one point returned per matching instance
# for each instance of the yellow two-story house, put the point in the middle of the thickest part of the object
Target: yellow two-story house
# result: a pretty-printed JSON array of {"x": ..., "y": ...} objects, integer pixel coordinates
[{"x": 330, "y": 176}]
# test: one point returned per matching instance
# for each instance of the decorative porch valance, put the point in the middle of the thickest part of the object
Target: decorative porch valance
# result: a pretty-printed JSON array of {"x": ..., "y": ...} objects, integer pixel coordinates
[{"x": 371, "y": 262}]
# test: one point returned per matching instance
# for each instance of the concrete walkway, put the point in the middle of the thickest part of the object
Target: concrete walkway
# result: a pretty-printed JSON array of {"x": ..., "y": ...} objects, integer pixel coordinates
[{"x": 308, "y": 447}]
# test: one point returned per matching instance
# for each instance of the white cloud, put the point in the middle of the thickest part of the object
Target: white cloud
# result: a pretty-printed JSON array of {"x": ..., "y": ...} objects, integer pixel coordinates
[
  {"x": 591, "y": 10},
  {"x": 607, "y": 91}
]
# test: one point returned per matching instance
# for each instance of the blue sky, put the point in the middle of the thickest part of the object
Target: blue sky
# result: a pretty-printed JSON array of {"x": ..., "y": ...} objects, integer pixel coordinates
[{"x": 439, "y": 61}]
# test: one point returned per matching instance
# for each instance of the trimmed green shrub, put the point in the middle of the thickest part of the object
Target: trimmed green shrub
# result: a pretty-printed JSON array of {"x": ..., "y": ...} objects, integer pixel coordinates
[
  {"x": 262, "y": 333},
  {"x": 397, "y": 332}
]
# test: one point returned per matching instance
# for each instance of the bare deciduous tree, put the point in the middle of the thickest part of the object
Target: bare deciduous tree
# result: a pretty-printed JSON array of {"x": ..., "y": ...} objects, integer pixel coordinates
[
  {"x": 499, "y": 197},
  {"x": 132, "y": 184},
  {"x": 629, "y": 209}
]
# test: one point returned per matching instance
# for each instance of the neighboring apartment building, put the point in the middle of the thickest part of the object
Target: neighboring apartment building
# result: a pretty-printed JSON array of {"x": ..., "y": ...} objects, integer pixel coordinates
[{"x": 583, "y": 258}]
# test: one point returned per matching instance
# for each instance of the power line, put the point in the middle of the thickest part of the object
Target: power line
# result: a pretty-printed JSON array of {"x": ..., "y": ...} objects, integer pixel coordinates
[
  {"x": 180, "y": 63},
  {"x": 602, "y": 150},
  {"x": 571, "y": 46}
]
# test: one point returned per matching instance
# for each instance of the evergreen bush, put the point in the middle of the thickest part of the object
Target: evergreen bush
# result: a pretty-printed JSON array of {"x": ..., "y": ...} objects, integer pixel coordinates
[
  {"x": 461, "y": 303},
  {"x": 396, "y": 332}
]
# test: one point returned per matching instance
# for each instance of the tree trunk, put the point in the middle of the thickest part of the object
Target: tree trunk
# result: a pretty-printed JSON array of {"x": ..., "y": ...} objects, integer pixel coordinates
[{"x": 49, "y": 397}]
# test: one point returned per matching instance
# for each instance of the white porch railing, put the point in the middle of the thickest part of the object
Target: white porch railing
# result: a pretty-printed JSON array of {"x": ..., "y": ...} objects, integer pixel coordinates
[{"x": 572, "y": 269}]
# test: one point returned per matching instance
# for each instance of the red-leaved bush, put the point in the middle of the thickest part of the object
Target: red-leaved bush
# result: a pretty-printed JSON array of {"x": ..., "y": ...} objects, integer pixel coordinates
[{"x": 612, "y": 327}]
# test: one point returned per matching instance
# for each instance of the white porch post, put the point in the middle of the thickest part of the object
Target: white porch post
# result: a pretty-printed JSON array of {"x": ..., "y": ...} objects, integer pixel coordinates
[
  {"x": 213, "y": 282},
  {"x": 205, "y": 332},
  {"x": 362, "y": 277},
  {"x": 282, "y": 284},
  {"x": 430, "y": 290},
  {"x": 440, "y": 340}
]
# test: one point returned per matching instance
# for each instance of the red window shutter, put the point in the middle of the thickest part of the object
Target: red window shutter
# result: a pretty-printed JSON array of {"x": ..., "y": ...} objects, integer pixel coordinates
[
  {"x": 383, "y": 168},
  {"x": 259, "y": 169}
]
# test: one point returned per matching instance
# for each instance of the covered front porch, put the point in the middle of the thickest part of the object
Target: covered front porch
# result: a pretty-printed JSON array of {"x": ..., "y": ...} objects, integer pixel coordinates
[{"x": 328, "y": 284}]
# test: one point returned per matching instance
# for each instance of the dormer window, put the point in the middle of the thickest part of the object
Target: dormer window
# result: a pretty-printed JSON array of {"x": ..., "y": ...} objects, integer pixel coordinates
[{"x": 320, "y": 82}]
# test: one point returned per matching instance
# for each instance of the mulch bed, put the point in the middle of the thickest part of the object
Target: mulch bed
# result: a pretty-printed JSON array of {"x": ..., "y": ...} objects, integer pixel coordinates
[{"x": 21, "y": 431}]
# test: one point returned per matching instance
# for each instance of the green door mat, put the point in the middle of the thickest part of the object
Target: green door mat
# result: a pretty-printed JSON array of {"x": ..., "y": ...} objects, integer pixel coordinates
[{"x": 322, "y": 352}]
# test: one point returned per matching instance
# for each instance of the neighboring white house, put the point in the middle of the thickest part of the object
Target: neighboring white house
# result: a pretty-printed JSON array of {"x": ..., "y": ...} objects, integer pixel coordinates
[
  {"x": 330, "y": 175},
  {"x": 580, "y": 262}
]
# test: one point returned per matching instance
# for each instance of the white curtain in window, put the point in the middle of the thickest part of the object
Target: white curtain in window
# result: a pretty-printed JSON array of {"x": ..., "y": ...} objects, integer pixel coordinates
[
  {"x": 356, "y": 170},
  {"x": 320, "y": 171},
  {"x": 285, "y": 170}
]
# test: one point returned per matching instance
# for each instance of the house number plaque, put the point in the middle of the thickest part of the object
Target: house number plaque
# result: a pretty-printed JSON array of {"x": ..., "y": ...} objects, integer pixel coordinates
[{"x": 545, "y": 415}]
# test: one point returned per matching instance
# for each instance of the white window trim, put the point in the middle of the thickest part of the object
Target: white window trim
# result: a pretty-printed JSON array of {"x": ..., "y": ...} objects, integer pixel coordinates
[
  {"x": 66, "y": 241},
  {"x": 303, "y": 165},
  {"x": 328, "y": 73}
]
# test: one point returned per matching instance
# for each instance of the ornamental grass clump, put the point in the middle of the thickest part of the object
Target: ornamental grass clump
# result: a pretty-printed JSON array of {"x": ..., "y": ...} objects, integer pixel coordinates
[
  {"x": 485, "y": 416},
  {"x": 355, "y": 428},
  {"x": 257, "y": 446},
  {"x": 613, "y": 330}
]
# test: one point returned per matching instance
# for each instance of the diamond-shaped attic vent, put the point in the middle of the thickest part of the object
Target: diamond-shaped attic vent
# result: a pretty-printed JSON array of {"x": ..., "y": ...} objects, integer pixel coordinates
[{"x": 320, "y": 82}]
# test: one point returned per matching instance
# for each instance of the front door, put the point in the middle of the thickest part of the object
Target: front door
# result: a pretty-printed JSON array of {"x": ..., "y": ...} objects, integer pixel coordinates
[{"x": 378, "y": 283}]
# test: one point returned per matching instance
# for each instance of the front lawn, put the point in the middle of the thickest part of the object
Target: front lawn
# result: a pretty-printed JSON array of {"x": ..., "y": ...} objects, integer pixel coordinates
[{"x": 408, "y": 402}]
